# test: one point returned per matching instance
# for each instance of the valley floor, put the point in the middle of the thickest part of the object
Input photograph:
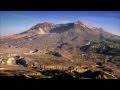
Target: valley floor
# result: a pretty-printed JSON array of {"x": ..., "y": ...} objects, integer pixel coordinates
[{"x": 45, "y": 66}]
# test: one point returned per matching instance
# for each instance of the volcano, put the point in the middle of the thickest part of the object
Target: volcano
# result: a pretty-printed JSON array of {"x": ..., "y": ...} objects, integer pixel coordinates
[{"x": 49, "y": 35}]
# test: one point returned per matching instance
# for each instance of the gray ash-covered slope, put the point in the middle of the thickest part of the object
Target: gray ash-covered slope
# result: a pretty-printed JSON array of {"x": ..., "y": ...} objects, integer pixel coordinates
[{"x": 48, "y": 35}]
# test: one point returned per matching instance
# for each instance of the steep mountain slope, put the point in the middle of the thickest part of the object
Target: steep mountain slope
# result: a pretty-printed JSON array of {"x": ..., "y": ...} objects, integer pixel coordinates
[{"x": 48, "y": 35}]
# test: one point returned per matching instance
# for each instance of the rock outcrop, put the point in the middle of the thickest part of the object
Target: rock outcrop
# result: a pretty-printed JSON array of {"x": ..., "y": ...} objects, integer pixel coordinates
[{"x": 14, "y": 59}]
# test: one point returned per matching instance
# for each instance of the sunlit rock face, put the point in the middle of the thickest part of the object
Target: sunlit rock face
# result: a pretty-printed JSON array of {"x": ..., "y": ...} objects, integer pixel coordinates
[
  {"x": 14, "y": 59},
  {"x": 11, "y": 61}
]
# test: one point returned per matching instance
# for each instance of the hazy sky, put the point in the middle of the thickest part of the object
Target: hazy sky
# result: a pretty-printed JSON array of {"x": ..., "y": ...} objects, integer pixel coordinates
[{"x": 12, "y": 22}]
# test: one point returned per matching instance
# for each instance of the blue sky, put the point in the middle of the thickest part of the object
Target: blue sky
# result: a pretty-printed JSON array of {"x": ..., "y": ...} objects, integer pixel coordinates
[{"x": 12, "y": 22}]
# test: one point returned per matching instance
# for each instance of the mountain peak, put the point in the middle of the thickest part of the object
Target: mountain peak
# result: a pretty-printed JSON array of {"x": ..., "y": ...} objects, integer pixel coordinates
[
  {"x": 78, "y": 22},
  {"x": 47, "y": 23},
  {"x": 43, "y": 25},
  {"x": 84, "y": 24}
]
